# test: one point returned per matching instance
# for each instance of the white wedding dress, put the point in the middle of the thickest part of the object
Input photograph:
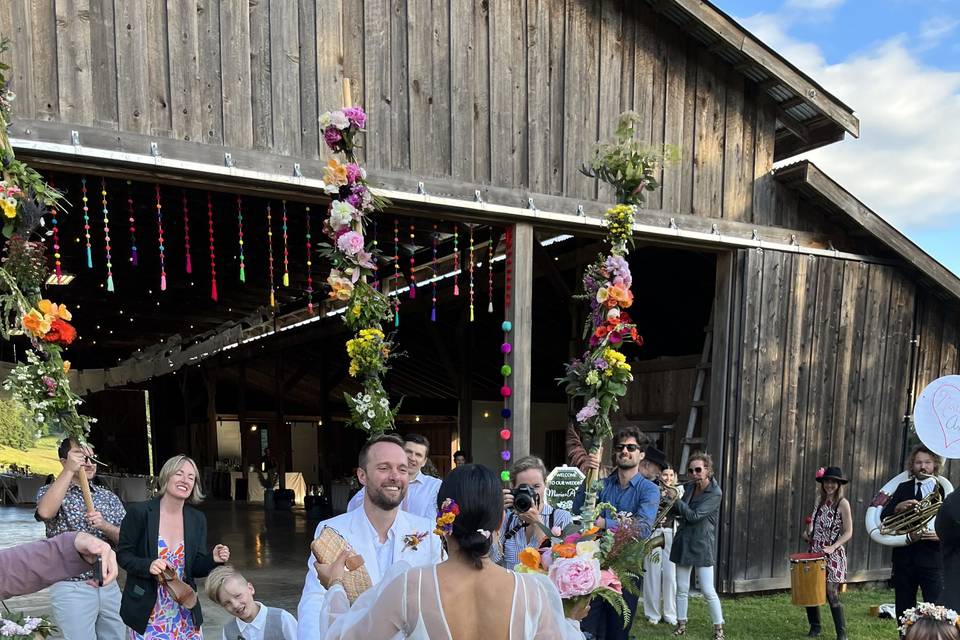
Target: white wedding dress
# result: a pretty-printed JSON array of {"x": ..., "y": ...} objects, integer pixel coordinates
[{"x": 406, "y": 604}]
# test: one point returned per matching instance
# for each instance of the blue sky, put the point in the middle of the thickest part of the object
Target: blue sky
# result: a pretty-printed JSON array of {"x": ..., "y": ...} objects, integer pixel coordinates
[{"x": 897, "y": 64}]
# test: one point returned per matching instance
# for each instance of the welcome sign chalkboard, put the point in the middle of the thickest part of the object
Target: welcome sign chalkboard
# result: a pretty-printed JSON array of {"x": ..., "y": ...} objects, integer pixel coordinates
[{"x": 562, "y": 485}]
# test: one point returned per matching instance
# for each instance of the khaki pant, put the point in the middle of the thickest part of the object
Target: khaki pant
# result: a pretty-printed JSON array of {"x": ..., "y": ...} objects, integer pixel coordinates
[{"x": 83, "y": 612}]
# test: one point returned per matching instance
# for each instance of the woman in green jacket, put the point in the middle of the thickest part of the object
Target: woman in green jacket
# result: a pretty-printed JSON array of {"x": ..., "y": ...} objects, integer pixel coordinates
[{"x": 693, "y": 546}]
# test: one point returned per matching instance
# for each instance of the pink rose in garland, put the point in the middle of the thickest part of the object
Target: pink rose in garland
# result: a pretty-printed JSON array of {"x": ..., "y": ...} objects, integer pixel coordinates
[
  {"x": 576, "y": 576},
  {"x": 351, "y": 243}
]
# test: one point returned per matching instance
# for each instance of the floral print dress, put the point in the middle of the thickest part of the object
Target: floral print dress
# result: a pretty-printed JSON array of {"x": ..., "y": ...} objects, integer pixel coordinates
[
  {"x": 169, "y": 621},
  {"x": 827, "y": 529}
]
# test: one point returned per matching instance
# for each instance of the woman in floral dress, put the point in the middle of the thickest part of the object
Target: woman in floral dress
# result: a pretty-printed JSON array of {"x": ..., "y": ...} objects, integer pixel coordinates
[
  {"x": 828, "y": 529},
  {"x": 165, "y": 534}
]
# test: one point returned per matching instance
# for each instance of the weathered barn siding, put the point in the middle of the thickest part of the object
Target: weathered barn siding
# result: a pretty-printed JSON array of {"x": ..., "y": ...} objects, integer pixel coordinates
[
  {"x": 509, "y": 93},
  {"x": 818, "y": 353}
]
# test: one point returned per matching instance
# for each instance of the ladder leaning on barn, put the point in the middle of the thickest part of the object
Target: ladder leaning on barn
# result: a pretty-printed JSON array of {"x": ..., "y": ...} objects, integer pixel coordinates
[{"x": 698, "y": 402}]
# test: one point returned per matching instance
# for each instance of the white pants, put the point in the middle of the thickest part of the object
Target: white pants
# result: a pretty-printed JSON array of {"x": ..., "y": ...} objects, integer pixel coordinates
[
  {"x": 660, "y": 582},
  {"x": 705, "y": 580},
  {"x": 83, "y": 612}
]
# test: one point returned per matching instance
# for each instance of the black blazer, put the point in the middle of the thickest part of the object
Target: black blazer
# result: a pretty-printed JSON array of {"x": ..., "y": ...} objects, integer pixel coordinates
[
  {"x": 921, "y": 554},
  {"x": 948, "y": 528},
  {"x": 139, "y": 533}
]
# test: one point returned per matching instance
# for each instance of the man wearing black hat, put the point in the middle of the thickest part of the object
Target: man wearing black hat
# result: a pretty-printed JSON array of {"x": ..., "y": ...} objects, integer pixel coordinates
[
  {"x": 653, "y": 463},
  {"x": 948, "y": 528}
]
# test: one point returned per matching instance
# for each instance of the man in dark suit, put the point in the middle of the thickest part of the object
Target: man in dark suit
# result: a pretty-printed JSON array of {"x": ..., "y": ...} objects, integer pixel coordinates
[
  {"x": 948, "y": 529},
  {"x": 919, "y": 564}
]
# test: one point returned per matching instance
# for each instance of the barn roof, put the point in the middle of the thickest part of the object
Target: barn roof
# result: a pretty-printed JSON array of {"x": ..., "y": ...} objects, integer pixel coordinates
[
  {"x": 808, "y": 116},
  {"x": 809, "y": 180}
]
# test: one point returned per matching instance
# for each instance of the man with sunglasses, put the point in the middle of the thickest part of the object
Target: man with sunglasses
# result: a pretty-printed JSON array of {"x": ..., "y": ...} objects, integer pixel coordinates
[{"x": 629, "y": 492}]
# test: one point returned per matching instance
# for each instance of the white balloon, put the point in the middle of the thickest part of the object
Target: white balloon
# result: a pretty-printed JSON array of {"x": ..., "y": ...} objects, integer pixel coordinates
[{"x": 936, "y": 416}]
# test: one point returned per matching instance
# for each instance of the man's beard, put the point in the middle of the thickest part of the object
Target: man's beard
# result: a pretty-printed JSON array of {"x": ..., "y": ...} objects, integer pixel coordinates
[
  {"x": 381, "y": 500},
  {"x": 626, "y": 463}
]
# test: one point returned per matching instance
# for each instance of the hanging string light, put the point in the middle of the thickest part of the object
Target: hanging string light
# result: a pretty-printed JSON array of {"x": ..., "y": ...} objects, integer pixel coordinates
[
  {"x": 163, "y": 266},
  {"x": 186, "y": 230},
  {"x": 456, "y": 260},
  {"x": 273, "y": 295},
  {"x": 213, "y": 252},
  {"x": 86, "y": 221},
  {"x": 376, "y": 258},
  {"x": 396, "y": 272},
  {"x": 490, "y": 273},
  {"x": 243, "y": 272},
  {"x": 433, "y": 272},
  {"x": 473, "y": 262},
  {"x": 131, "y": 218},
  {"x": 309, "y": 264},
  {"x": 106, "y": 232},
  {"x": 413, "y": 274},
  {"x": 55, "y": 228},
  {"x": 286, "y": 252}
]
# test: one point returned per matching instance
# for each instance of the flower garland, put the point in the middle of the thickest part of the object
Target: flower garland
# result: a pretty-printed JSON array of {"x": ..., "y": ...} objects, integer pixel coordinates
[
  {"x": 352, "y": 260},
  {"x": 927, "y": 610},
  {"x": 601, "y": 374}
]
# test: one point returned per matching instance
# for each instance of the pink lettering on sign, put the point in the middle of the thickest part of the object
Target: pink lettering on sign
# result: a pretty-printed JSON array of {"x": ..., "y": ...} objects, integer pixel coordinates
[{"x": 946, "y": 408}]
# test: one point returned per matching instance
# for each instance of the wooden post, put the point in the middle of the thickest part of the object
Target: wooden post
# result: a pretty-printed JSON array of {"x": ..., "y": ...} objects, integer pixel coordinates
[
  {"x": 347, "y": 98},
  {"x": 465, "y": 342},
  {"x": 520, "y": 315}
]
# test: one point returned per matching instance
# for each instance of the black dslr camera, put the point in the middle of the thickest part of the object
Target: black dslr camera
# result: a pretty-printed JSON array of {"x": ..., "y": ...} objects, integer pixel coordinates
[{"x": 524, "y": 497}]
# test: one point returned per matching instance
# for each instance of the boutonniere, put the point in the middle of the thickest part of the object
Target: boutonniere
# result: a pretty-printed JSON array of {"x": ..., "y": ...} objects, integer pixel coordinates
[{"x": 413, "y": 540}]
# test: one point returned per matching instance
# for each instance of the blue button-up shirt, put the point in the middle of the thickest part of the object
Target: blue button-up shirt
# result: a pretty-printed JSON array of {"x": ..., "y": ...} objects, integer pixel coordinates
[{"x": 640, "y": 497}]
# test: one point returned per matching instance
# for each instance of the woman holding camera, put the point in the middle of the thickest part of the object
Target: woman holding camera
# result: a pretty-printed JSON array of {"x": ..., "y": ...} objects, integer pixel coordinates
[{"x": 526, "y": 506}]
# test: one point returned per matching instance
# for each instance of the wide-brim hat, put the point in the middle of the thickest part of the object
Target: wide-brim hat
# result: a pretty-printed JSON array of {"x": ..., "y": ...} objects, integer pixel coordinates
[
  {"x": 657, "y": 457},
  {"x": 831, "y": 473}
]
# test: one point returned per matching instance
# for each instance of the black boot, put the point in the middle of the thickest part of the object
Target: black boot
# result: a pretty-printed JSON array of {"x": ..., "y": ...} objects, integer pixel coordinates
[
  {"x": 813, "y": 617},
  {"x": 839, "y": 622}
]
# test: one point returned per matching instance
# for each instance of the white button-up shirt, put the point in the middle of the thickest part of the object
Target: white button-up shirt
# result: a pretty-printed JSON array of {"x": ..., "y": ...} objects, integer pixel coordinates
[
  {"x": 254, "y": 630},
  {"x": 421, "y": 497}
]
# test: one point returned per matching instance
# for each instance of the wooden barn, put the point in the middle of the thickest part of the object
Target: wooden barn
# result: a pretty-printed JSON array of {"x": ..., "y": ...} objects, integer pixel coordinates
[{"x": 787, "y": 326}]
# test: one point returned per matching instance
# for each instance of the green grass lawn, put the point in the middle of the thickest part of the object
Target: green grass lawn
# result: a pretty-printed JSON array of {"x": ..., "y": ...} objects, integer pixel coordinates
[
  {"x": 774, "y": 617},
  {"x": 42, "y": 458}
]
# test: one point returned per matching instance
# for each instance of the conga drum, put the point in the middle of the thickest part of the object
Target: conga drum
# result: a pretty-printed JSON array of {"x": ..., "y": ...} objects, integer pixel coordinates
[{"x": 808, "y": 579}]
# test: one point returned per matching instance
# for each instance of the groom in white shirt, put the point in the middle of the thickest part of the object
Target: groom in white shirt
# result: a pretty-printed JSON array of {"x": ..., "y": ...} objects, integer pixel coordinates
[
  {"x": 377, "y": 530},
  {"x": 422, "y": 489}
]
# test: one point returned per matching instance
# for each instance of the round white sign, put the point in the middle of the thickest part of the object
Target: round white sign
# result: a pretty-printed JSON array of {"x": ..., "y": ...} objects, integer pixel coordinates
[{"x": 937, "y": 416}]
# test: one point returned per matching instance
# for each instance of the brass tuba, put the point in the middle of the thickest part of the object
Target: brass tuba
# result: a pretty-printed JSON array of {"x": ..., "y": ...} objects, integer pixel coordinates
[{"x": 913, "y": 520}]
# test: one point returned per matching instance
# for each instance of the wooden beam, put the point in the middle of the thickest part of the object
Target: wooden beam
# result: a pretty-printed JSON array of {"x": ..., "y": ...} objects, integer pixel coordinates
[
  {"x": 520, "y": 314},
  {"x": 793, "y": 125}
]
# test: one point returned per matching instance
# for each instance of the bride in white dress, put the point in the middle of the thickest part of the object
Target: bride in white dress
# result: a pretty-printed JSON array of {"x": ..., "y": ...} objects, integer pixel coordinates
[{"x": 467, "y": 597}]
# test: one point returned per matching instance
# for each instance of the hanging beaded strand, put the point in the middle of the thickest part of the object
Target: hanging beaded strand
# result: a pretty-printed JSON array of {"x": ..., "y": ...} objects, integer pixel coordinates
[
  {"x": 55, "y": 228},
  {"x": 433, "y": 272},
  {"x": 508, "y": 269},
  {"x": 186, "y": 230},
  {"x": 375, "y": 258},
  {"x": 309, "y": 264},
  {"x": 273, "y": 295},
  {"x": 506, "y": 370},
  {"x": 163, "y": 266},
  {"x": 213, "y": 253},
  {"x": 396, "y": 272},
  {"x": 86, "y": 221},
  {"x": 472, "y": 264},
  {"x": 490, "y": 273},
  {"x": 106, "y": 232},
  {"x": 286, "y": 252},
  {"x": 456, "y": 261},
  {"x": 131, "y": 218},
  {"x": 413, "y": 274},
  {"x": 243, "y": 271}
]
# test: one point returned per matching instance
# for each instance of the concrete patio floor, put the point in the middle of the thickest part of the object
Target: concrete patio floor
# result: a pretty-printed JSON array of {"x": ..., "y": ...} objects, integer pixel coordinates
[{"x": 269, "y": 547}]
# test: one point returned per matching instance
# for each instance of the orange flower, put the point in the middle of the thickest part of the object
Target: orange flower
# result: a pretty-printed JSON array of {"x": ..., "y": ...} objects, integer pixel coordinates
[
  {"x": 335, "y": 173},
  {"x": 35, "y": 323},
  {"x": 601, "y": 331},
  {"x": 53, "y": 310},
  {"x": 61, "y": 332},
  {"x": 565, "y": 550},
  {"x": 530, "y": 558},
  {"x": 66, "y": 366},
  {"x": 590, "y": 531}
]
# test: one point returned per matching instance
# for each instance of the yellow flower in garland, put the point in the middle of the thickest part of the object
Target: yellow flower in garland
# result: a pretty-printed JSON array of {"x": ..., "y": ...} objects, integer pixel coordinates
[
  {"x": 9, "y": 206},
  {"x": 619, "y": 221}
]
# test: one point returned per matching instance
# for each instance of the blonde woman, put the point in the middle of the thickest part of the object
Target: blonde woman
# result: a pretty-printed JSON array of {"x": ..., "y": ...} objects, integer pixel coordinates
[{"x": 163, "y": 536}]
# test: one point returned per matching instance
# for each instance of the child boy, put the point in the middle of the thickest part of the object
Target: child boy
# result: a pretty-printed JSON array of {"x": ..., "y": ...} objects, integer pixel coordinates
[{"x": 252, "y": 620}]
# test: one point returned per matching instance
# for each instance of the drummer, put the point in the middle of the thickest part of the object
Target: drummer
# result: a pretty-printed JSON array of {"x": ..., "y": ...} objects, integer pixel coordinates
[{"x": 828, "y": 529}]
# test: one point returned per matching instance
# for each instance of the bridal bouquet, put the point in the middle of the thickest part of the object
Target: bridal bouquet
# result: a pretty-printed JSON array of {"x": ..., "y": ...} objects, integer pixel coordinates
[{"x": 589, "y": 563}]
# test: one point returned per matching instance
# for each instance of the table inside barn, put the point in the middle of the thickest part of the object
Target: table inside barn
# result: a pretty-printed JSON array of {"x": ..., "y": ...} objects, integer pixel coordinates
[{"x": 247, "y": 486}]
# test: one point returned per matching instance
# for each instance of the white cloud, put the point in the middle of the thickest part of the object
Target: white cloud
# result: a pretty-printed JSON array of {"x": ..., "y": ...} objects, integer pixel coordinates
[
  {"x": 906, "y": 164},
  {"x": 814, "y": 5},
  {"x": 934, "y": 30}
]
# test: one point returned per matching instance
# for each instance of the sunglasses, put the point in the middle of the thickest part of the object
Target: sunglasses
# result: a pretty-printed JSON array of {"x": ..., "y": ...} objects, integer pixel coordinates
[
  {"x": 695, "y": 470},
  {"x": 629, "y": 447}
]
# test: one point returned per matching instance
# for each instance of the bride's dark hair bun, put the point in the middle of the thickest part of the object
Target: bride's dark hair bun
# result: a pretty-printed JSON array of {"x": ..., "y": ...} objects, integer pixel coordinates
[{"x": 476, "y": 490}]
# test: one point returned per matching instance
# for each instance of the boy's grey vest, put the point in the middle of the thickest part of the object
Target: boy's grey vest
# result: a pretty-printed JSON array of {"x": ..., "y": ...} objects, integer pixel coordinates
[{"x": 272, "y": 631}]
